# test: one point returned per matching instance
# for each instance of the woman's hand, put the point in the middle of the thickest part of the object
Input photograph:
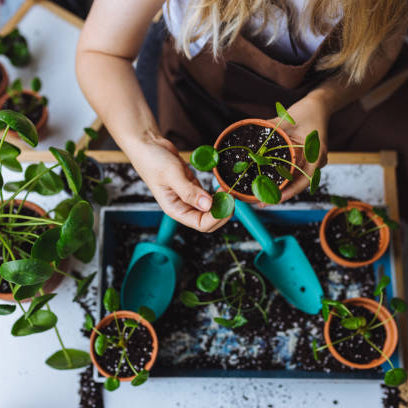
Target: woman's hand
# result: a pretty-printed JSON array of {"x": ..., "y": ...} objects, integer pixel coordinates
[
  {"x": 309, "y": 113},
  {"x": 174, "y": 185}
]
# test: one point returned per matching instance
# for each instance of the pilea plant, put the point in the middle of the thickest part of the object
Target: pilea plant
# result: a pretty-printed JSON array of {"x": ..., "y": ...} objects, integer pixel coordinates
[
  {"x": 14, "y": 46},
  {"x": 33, "y": 246},
  {"x": 235, "y": 291},
  {"x": 120, "y": 340},
  {"x": 357, "y": 226},
  {"x": 206, "y": 158},
  {"x": 359, "y": 326}
]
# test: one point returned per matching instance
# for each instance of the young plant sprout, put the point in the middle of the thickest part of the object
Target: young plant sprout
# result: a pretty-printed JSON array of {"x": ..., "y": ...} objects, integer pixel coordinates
[
  {"x": 359, "y": 326},
  {"x": 206, "y": 157},
  {"x": 234, "y": 292},
  {"x": 14, "y": 46},
  {"x": 120, "y": 340},
  {"x": 356, "y": 226}
]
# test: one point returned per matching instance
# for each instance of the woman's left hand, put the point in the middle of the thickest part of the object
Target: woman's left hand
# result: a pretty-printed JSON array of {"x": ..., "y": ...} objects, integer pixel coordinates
[{"x": 310, "y": 114}]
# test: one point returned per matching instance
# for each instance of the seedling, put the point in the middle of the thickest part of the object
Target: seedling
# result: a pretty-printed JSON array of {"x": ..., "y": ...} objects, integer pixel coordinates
[
  {"x": 359, "y": 326},
  {"x": 356, "y": 226},
  {"x": 234, "y": 292},
  {"x": 206, "y": 157},
  {"x": 120, "y": 340},
  {"x": 14, "y": 46}
]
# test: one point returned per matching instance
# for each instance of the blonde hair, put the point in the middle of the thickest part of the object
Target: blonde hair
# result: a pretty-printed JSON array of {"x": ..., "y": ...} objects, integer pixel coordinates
[{"x": 365, "y": 25}]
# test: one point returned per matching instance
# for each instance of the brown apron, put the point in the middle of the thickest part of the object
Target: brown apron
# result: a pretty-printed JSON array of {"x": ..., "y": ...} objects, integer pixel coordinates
[{"x": 199, "y": 98}]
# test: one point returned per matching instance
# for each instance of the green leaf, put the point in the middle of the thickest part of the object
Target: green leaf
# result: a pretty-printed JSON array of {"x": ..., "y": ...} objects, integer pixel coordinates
[
  {"x": 40, "y": 321},
  {"x": 282, "y": 113},
  {"x": 48, "y": 184},
  {"x": 92, "y": 133},
  {"x": 208, "y": 282},
  {"x": 382, "y": 284},
  {"x": 259, "y": 159},
  {"x": 311, "y": 149},
  {"x": 353, "y": 323},
  {"x": 147, "y": 313},
  {"x": 266, "y": 190},
  {"x": 26, "y": 271},
  {"x": 63, "y": 209},
  {"x": 37, "y": 303},
  {"x": 141, "y": 378},
  {"x": 101, "y": 344},
  {"x": 395, "y": 377},
  {"x": 189, "y": 299},
  {"x": 7, "y": 309},
  {"x": 314, "y": 183},
  {"x": 223, "y": 205},
  {"x": 284, "y": 172},
  {"x": 87, "y": 251},
  {"x": 325, "y": 311},
  {"x": 391, "y": 224},
  {"x": 21, "y": 124},
  {"x": 131, "y": 323},
  {"x": 36, "y": 84},
  {"x": 111, "y": 384},
  {"x": 70, "y": 147},
  {"x": 314, "y": 348},
  {"x": 381, "y": 212},
  {"x": 45, "y": 247},
  {"x": 355, "y": 217},
  {"x": 8, "y": 155},
  {"x": 239, "y": 321},
  {"x": 70, "y": 168},
  {"x": 398, "y": 305},
  {"x": 89, "y": 323},
  {"x": 348, "y": 250},
  {"x": 340, "y": 308},
  {"x": 17, "y": 85},
  {"x": 338, "y": 201},
  {"x": 106, "y": 180},
  {"x": 83, "y": 286},
  {"x": 233, "y": 323},
  {"x": 111, "y": 300},
  {"x": 100, "y": 194},
  {"x": 26, "y": 292},
  {"x": 13, "y": 186},
  {"x": 13, "y": 165},
  {"x": 76, "y": 359},
  {"x": 240, "y": 166},
  {"x": 204, "y": 158}
]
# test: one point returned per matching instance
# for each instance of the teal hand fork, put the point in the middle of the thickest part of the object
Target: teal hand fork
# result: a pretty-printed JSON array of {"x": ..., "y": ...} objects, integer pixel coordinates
[{"x": 152, "y": 273}]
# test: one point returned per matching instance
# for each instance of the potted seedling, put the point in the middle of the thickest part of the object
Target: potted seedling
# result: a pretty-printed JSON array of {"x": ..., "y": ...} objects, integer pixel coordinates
[
  {"x": 33, "y": 244},
  {"x": 362, "y": 333},
  {"x": 124, "y": 344},
  {"x": 242, "y": 290},
  {"x": 253, "y": 160},
  {"x": 355, "y": 234},
  {"x": 28, "y": 102},
  {"x": 14, "y": 46},
  {"x": 94, "y": 183}
]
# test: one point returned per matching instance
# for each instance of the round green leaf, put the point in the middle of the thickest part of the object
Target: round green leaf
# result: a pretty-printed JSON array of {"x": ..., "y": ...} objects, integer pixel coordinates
[
  {"x": 45, "y": 247},
  {"x": 88, "y": 324},
  {"x": 284, "y": 172},
  {"x": 240, "y": 166},
  {"x": 38, "y": 303},
  {"x": 70, "y": 147},
  {"x": 266, "y": 190},
  {"x": 311, "y": 149},
  {"x": 20, "y": 124},
  {"x": 131, "y": 323},
  {"x": 25, "y": 292},
  {"x": 204, "y": 158},
  {"x": 208, "y": 282},
  {"x": 282, "y": 113},
  {"x": 49, "y": 183},
  {"x": 189, "y": 299},
  {"x": 398, "y": 305},
  {"x": 147, "y": 313},
  {"x": 76, "y": 359},
  {"x": 355, "y": 216},
  {"x": 100, "y": 194},
  {"x": 87, "y": 251},
  {"x": 40, "y": 321},
  {"x": 26, "y": 271},
  {"x": 382, "y": 284},
  {"x": 7, "y": 309},
  {"x": 83, "y": 286},
  {"x": 338, "y": 201},
  {"x": 111, "y": 384},
  {"x": 223, "y": 205},
  {"x": 111, "y": 300},
  {"x": 101, "y": 344},
  {"x": 314, "y": 183},
  {"x": 36, "y": 84},
  {"x": 141, "y": 378},
  {"x": 348, "y": 250},
  {"x": 63, "y": 209},
  {"x": 395, "y": 377},
  {"x": 8, "y": 156},
  {"x": 353, "y": 323}
]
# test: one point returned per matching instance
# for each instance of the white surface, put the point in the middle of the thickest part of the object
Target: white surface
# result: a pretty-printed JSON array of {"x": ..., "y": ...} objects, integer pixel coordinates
[
  {"x": 48, "y": 388},
  {"x": 52, "y": 42}
]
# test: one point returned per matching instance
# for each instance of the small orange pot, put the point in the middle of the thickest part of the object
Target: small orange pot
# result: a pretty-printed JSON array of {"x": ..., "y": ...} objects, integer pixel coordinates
[
  {"x": 368, "y": 209},
  {"x": 248, "y": 198},
  {"x": 4, "y": 80},
  {"x": 56, "y": 278},
  {"x": 125, "y": 314},
  {"x": 44, "y": 116},
  {"x": 391, "y": 333}
]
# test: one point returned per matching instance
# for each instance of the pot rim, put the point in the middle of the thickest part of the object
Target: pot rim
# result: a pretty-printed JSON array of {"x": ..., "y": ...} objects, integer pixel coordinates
[
  {"x": 250, "y": 198},
  {"x": 129, "y": 315}
]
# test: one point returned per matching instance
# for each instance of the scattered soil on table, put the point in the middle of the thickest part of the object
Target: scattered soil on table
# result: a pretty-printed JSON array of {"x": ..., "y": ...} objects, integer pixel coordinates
[
  {"x": 357, "y": 350},
  {"x": 366, "y": 245},
  {"x": 90, "y": 392},
  {"x": 251, "y": 136},
  {"x": 392, "y": 397},
  {"x": 28, "y": 100},
  {"x": 139, "y": 348}
]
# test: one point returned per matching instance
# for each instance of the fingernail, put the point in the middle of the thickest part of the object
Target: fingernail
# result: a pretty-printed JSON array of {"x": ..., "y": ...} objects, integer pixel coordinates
[{"x": 204, "y": 203}]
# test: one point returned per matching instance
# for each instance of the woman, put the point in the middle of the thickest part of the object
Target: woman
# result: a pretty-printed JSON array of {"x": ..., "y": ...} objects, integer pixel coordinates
[{"x": 229, "y": 59}]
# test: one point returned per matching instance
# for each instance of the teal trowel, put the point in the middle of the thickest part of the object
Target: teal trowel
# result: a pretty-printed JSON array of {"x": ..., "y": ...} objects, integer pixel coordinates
[{"x": 152, "y": 273}]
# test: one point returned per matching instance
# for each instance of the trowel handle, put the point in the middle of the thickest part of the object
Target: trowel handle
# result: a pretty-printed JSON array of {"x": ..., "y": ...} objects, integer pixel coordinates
[
  {"x": 248, "y": 217},
  {"x": 167, "y": 229}
]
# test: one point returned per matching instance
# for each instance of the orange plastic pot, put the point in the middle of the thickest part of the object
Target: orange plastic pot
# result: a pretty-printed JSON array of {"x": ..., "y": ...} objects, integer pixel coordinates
[
  {"x": 248, "y": 198},
  {"x": 56, "y": 277},
  {"x": 4, "y": 79},
  {"x": 125, "y": 314},
  {"x": 391, "y": 334},
  {"x": 368, "y": 209}
]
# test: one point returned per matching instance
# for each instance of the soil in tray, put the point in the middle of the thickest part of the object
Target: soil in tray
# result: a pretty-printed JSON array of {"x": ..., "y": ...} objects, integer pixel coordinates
[
  {"x": 367, "y": 245},
  {"x": 34, "y": 115},
  {"x": 139, "y": 349},
  {"x": 251, "y": 136},
  {"x": 357, "y": 350}
]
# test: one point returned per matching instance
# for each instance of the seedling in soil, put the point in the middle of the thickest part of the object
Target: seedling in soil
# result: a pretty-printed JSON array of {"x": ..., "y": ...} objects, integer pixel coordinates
[
  {"x": 359, "y": 326},
  {"x": 14, "y": 46},
  {"x": 234, "y": 292},
  {"x": 206, "y": 157},
  {"x": 357, "y": 226}
]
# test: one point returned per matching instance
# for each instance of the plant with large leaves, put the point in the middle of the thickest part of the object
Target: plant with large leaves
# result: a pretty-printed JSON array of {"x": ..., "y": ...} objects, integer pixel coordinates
[{"x": 206, "y": 158}]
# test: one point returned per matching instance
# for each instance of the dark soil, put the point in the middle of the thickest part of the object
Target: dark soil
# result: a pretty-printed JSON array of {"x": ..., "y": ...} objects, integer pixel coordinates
[
  {"x": 90, "y": 392},
  {"x": 139, "y": 349},
  {"x": 392, "y": 397},
  {"x": 251, "y": 136},
  {"x": 367, "y": 245},
  {"x": 357, "y": 350},
  {"x": 33, "y": 114}
]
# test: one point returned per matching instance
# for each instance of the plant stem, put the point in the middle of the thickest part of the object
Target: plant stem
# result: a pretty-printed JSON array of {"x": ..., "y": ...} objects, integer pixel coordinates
[
  {"x": 131, "y": 365},
  {"x": 24, "y": 233},
  {"x": 379, "y": 351},
  {"x": 6, "y": 245},
  {"x": 234, "y": 257},
  {"x": 270, "y": 134},
  {"x": 382, "y": 323},
  {"x": 120, "y": 362},
  {"x": 290, "y": 163},
  {"x": 27, "y": 217},
  {"x": 117, "y": 323},
  {"x": 336, "y": 342},
  {"x": 240, "y": 177},
  {"x": 371, "y": 230},
  {"x": 378, "y": 309},
  {"x": 282, "y": 147},
  {"x": 235, "y": 147}
]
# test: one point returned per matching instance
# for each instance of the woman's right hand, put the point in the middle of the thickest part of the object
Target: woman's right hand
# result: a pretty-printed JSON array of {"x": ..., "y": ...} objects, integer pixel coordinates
[{"x": 174, "y": 185}]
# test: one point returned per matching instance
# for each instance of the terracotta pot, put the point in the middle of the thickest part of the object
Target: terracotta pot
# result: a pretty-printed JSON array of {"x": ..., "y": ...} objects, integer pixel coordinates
[
  {"x": 43, "y": 119},
  {"x": 126, "y": 314},
  {"x": 4, "y": 80},
  {"x": 391, "y": 333},
  {"x": 248, "y": 198},
  {"x": 56, "y": 278},
  {"x": 368, "y": 209}
]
